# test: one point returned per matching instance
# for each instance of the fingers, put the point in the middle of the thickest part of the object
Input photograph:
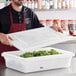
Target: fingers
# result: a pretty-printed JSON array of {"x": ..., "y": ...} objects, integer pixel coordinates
[
  {"x": 10, "y": 38},
  {"x": 56, "y": 28},
  {"x": 60, "y": 30},
  {"x": 4, "y": 39},
  {"x": 53, "y": 27}
]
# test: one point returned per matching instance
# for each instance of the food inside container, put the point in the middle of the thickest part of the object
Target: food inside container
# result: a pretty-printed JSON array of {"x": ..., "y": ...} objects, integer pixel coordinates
[
  {"x": 40, "y": 53},
  {"x": 62, "y": 59}
]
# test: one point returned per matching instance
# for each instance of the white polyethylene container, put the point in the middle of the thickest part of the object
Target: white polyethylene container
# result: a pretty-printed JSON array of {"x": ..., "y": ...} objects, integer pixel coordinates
[{"x": 33, "y": 64}]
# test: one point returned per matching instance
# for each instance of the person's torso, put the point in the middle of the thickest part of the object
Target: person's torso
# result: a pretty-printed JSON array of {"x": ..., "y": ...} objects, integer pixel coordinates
[{"x": 17, "y": 18}]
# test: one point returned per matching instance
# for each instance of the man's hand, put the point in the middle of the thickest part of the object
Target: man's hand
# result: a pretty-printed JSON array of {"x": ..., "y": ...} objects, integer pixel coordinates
[
  {"x": 5, "y": 39},
  {"x": 58, "y": 29}
]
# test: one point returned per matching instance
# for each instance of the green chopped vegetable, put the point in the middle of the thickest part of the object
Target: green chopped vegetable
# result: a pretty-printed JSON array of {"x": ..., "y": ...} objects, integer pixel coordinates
[
  {"x": 27, "y": 54},
  {"x": 39, "y": 53},
  {"x": 52, "y": 52}
]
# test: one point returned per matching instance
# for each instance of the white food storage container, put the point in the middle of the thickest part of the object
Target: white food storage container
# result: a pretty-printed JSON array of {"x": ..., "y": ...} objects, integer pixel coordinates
[{"x": 33, "y": 64}]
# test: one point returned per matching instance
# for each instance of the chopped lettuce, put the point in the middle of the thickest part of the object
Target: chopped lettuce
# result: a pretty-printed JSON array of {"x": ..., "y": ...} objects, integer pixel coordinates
[{"x": 39, "y": 53}]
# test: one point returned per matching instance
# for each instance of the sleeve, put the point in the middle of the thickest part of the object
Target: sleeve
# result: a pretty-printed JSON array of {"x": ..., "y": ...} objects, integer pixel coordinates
[
  {"x": 35, "y": 21},
  {"x": 0, "y": 24},
  {"x": 0, "y": 27}
]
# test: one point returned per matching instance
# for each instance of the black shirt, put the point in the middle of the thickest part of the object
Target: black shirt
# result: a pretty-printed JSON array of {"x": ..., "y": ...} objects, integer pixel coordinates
[{"x": 31, "y": 20}]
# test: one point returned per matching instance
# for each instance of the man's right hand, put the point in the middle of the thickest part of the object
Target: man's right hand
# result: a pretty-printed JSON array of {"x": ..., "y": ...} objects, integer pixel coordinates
[{"x": 5, "y": 39}]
